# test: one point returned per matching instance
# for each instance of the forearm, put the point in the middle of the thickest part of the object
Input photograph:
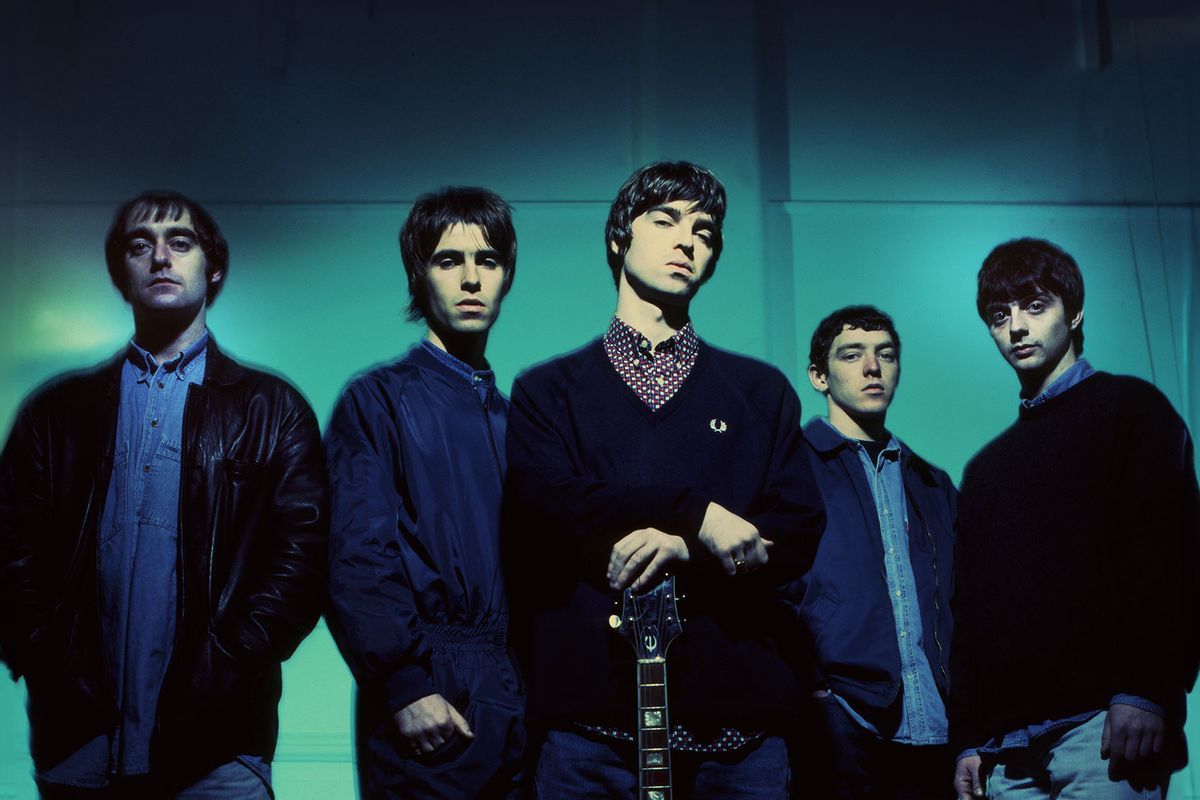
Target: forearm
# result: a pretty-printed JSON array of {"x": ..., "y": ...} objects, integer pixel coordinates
[
  {"x": 280, "y": 601},
  {"x": 23, "y": 510}
]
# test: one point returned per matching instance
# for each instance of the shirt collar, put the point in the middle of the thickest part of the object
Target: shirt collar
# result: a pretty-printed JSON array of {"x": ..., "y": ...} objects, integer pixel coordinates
[
  {"x": 146, "y": 364},
  {"x": 473, "y": 376},
  {"x": 623, "y": 340},
  {"x": 893, "y": 444},
  {"x": 1073, "y": 376}
]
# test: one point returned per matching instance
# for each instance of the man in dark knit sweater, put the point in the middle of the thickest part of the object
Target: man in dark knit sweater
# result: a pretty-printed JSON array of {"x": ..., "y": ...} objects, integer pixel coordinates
[
  {"x": 646, "y": 450},
  {"x": 1075, "y": 636}
]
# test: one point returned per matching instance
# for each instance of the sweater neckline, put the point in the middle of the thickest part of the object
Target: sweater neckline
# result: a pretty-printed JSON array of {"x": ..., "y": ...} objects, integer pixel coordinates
[
  {"x": 1095, "y": 379},
  {"x": 652, "y": 416}
]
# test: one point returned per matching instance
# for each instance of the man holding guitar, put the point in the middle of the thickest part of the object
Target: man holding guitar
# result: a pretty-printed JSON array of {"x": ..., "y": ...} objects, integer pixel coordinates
[{"x": 647, "y": 450}]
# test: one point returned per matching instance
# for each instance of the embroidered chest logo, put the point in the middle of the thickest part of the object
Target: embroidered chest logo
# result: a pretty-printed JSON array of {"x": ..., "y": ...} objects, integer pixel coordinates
[{"x": 717, "y": 425}]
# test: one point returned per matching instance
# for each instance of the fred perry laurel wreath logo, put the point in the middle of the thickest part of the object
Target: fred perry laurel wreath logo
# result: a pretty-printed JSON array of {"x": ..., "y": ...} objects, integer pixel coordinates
[{"x": 718, "y": 425}]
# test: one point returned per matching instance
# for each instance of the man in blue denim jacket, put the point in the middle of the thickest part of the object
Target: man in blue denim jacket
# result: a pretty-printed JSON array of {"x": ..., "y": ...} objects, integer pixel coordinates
[{"x": 876, "y": 602}]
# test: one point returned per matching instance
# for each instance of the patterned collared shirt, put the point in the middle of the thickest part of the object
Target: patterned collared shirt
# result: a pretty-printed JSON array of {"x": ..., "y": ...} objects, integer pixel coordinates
[{"x": 653, "y": 373}]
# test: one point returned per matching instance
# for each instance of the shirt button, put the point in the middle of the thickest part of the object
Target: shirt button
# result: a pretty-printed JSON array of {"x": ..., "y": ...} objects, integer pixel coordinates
[
  {"x": 161, "y": 384},
  {"x": 897, "y": 593},
  {"x": 153, "y": 423},
  {"x": 660, "y": 380},
  {"x": 903, "y": 634},
  {"x": 145, "y": 468},
  {"x": 891, "y": 550}
]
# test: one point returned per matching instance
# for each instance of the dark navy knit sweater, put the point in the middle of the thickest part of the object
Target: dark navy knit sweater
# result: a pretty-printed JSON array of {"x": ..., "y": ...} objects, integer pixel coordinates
[
  {"x": 1077, "y": 527},
  {"x": 588, "y": 463}
]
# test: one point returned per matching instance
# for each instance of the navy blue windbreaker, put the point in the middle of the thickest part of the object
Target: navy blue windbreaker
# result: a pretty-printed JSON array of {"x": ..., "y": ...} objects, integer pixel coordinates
[{"x": 416, "y": 466}]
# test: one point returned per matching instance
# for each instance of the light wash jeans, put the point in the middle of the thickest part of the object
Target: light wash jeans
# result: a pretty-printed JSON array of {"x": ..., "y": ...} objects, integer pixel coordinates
[
  {"x": 244, "y": 778},
  {"x": 1067, "y": 767}
]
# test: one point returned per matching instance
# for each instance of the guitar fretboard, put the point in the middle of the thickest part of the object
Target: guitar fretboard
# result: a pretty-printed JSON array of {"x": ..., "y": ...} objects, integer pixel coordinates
[{"x": 654, "y": 733}]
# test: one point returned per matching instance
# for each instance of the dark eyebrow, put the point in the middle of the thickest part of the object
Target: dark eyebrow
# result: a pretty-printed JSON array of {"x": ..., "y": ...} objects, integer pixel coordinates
[
  {"x": 142, "y": 232},
  {"x": 670, "y": 211},
  {"x": 440, "y": 254},
  {"x": 844, "y": 347}
]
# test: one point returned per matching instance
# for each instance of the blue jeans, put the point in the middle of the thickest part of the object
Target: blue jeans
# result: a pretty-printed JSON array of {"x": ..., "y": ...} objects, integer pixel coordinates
[
  {"x": 582, "y": 766},
  {"x": 1068, "y": 767},
  {"x": 240, "y": 779}
]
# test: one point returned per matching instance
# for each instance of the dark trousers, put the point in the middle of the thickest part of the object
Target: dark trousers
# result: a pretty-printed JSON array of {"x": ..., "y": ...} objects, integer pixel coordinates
[
  {"x": 840, "y": 760},
  {"x": 579, "y": 765},
  {"x": 477, "y": 677}
]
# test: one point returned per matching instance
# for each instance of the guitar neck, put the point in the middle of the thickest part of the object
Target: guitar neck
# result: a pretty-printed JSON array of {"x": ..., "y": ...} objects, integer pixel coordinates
[{"x": 654, "y": 733}]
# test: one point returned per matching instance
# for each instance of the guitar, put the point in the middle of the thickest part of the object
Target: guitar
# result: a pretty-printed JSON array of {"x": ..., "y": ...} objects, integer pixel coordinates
[{"x": 650, "y": 621}]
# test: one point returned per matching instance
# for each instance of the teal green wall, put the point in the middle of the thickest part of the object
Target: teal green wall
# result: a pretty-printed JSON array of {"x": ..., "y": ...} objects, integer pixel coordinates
[{"x": 873, "y": 152}]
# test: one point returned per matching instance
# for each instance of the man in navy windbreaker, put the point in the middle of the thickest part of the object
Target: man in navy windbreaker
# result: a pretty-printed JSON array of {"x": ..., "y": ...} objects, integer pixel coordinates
[
  {"x": 416, "y": 463},
  {"x": 877, "y": 600}
]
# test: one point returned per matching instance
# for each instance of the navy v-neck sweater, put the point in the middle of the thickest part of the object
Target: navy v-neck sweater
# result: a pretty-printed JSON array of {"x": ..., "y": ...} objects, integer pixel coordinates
[
  {"x": 1077, "y": 532},
  {"x": 589, "y": 462}
]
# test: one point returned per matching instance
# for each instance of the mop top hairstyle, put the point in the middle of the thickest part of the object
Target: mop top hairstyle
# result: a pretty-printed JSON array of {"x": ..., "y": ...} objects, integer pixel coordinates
[
  {"x": 429, "y": 218},
  {"x": 1024, "y": 267},
  {"x": 157, "y": 206},
  {"x": 653, "y": 185},
  {"x": 865, "y": 318}
]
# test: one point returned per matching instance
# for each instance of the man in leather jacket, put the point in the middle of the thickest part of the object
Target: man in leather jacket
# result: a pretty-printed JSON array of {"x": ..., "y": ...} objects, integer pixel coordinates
[
  {"x": 876, "y": 603},
  {"x": 162, "y": 539}
]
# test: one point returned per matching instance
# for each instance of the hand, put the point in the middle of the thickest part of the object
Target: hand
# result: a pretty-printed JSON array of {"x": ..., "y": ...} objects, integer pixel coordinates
[
  {"x": 1130, "y": 734},
  {"x": 430, "y": 722},
  {"x": 638, "y": 558},
  {"x": 734, "y": 541},
  {"x": 967, "y": 782}
]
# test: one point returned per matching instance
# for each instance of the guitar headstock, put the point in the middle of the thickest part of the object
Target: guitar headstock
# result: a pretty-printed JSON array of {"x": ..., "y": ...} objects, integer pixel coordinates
[{"x": 650, "y": 619}]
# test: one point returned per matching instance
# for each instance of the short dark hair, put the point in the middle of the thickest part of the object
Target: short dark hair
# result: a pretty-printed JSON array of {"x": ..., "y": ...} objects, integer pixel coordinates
[
  {"x": 1023, "y": 267},
  {"x": 157, "y": 206},
  {"x": 864, "y": 318},
  {"x": 655, "y": 184},
  {"x": 429, "y": 218}
]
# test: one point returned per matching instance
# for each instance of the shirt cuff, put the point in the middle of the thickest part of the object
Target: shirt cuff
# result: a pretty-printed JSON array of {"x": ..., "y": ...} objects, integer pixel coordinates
[
  {"x": 970, "y": 751},
  {"x": 1138, "y": 702}
]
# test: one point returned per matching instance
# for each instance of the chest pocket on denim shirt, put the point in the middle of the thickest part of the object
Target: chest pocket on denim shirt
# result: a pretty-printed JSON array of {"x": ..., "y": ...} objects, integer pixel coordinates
[{"x": 160, "y": 499}]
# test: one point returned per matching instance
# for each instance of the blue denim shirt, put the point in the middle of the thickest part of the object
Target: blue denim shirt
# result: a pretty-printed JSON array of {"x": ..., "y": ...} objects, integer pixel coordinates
[
  {"x": 137, "y": 555},
  {"x": 1022, "y": 737},
  {"x": 923, "y": 717}
]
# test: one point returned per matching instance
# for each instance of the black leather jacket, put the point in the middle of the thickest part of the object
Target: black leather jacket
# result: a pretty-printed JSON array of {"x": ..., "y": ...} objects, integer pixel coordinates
[{"x": 253, "y": 529}]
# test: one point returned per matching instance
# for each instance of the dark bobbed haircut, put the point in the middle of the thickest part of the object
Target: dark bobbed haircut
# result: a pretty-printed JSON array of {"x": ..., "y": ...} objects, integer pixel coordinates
[
  {"x": 864, "y": 318},
  {"x": 429, "y": 218},
  {"x": 157, "y": 206},
  {"x": 1023, "y": 267},
  {"x": 655, "y": 184}
]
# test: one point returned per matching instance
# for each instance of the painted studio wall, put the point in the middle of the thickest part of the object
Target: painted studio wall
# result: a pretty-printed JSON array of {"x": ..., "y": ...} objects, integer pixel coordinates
[{"x": 873, "y": 152}]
